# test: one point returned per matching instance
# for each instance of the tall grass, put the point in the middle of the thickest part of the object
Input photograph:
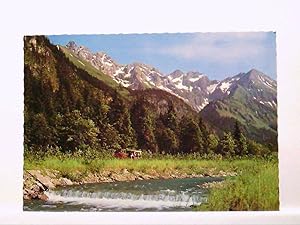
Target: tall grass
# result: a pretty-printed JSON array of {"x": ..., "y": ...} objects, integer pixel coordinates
[
  {"x": 143, "y": 165},
  {"x": 74, "y": 164},
  {"x": 256, "y": 188}
]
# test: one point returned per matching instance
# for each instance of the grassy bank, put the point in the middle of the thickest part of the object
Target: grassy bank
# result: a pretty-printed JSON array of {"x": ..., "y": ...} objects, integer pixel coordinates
[
  {"x": 256, "y": 188},
  {"x": 72, "y": 165}
]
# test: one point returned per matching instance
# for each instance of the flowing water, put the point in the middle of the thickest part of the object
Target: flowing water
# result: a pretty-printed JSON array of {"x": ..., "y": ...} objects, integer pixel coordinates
[{"x": 145, "y": 195}]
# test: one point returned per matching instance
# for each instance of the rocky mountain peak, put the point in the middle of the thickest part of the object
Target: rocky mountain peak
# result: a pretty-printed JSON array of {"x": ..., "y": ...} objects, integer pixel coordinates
[
  {"x": 194, "y": 74},
  {"x": 72, "y": 45},
  {"x": 195, "y": 77},
  {"x": 254, "y": 71},
  {"x": 254, "y": 74},
  {"x": 258, "y": 79},
  {"x": 176, "y": 74}
]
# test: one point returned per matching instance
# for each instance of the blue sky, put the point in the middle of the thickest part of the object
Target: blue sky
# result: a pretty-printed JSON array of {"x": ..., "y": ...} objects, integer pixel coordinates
[{"x": 218, "y": 55}]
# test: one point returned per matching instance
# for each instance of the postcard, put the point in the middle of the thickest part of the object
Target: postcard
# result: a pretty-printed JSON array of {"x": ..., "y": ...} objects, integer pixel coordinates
[{"x": 150, "y": 122}]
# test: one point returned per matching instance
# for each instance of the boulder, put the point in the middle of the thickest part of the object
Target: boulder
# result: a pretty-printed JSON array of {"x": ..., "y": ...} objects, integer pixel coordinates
[
  {"x": 117, "y": 177},
  {"x": 65, "y": 181},
  {"x": 26, "y": 197},
  {"x": 43, "y": 197},
  {"x": 32, "y": 194},
  {"x": 45, "y": 180}
]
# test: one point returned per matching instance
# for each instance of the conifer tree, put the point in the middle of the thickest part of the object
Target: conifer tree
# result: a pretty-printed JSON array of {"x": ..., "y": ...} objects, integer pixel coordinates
[
  {"x": 167, "y": 139},
  {"x": 169, "y": 119},
  {"x": 39, "y": 132},
  {"x": 119, "y": 118},
  {"x": 205, "y": 135},
  {"x": 237, "y": 131},
  {"x": 213, "y": 142},
  {"x": 143, "y": 123},
  {"x": 243, "y": 145},
  {"x": 191, "y": 139},
  {"x": 227, "y": 145},
  {"x": 240, "y": 140}
]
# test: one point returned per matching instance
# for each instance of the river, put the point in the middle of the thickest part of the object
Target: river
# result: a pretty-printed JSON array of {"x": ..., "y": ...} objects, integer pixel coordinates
[{"x": 142, "y": 195}]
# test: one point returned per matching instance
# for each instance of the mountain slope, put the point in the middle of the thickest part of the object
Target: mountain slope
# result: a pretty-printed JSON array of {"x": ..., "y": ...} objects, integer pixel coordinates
[
  {"x": 92, "y": 70},
  {"x": 249, "y": 98}
]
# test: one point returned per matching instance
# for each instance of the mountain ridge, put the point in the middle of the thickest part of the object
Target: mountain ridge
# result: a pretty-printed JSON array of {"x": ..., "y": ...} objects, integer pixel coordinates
[{"x": 194, "y": 87}]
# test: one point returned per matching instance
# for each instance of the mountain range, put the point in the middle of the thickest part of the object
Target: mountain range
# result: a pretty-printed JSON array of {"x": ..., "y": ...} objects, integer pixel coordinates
[
  {"x": 193, "y": 87},
  {"x": 250, "y": 98}
]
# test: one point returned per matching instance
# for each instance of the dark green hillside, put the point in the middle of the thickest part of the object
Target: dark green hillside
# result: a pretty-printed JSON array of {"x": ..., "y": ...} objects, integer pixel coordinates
[
  {"x": 258, "y": 121},
  {"x": 70, "y": 107},
  {"x": 161, "y": 101},
  {"x": 66, "y": 102}
]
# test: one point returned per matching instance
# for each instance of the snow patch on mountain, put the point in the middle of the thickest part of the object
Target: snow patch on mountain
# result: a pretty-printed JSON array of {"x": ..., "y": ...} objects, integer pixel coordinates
[
  {"x": 149, "y": 80},
  {"x": 225, "y": 86},
  {"x": 268, "y": 103},
  {"x": 118, "y": 71},
  {"x": 205, "y": 103},
  {"x": 268, "y": 84},
  {"x": 178, "y": 79},
  {"x": 181, "y": 86},
  {"x": 227, "y": 83},
  {"x": 166, "y": 89},
  {"x": 195, "y": 79},
  {"x": 125, "y": 83},
  {"x": 211, "y": 88},
  {"x": 178, "y": 82}
]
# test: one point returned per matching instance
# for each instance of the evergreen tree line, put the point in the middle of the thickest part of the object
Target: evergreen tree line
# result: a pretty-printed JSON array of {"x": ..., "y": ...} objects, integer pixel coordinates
[{"x": 120, "y": 127}]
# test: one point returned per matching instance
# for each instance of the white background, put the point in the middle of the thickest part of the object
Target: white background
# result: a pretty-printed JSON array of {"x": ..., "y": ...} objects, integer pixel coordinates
[{"x": 19, "y": 18}]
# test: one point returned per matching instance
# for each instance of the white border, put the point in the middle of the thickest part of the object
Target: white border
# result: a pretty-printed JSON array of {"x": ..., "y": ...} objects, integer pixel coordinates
[{"x": 18, "y": 18}]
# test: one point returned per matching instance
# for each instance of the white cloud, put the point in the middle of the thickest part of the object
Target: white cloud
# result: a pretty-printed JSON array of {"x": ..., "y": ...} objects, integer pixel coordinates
[{"x": 219, "y": 47}]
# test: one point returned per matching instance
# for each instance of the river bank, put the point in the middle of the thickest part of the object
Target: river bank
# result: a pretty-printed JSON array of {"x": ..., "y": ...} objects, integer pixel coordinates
[
  {"x": 36, "y": 182},
  {"x": 256, "y": 188},
  {"x": 253, "y": 187}
]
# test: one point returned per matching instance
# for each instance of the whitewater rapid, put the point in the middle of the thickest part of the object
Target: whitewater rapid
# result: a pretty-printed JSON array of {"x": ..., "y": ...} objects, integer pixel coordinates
[{"x": 110, "y": 200}]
